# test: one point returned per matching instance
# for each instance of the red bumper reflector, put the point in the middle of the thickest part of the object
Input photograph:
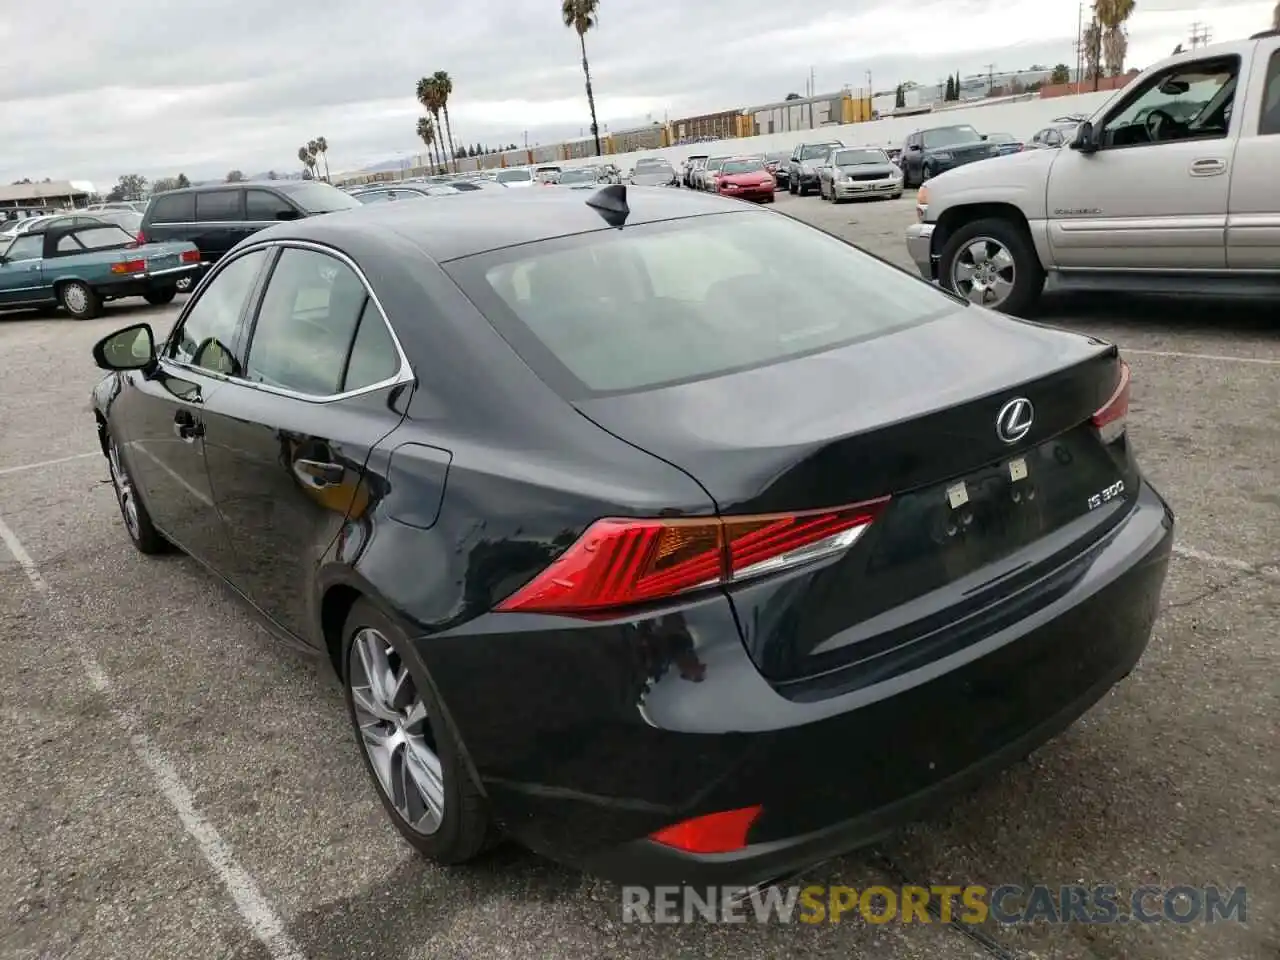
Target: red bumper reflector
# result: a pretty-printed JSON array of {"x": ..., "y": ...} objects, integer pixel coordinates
[
  {"x": 129, "y": 266},
  {"x": 722, "y": 832},
  {"x": 190, "y": 256}
]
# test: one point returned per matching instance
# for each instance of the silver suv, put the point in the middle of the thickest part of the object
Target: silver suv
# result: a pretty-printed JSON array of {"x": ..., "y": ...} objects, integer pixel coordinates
[{"x": 1169, "y": 187}]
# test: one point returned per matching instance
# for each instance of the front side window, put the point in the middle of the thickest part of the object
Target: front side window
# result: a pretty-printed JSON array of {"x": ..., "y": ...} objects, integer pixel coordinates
[
  {"x": 207, "y": 337},
  {"x": 262, "y": 205},
  {"x": 1189, "y": 102},
  {"x": 27, "y": 247},
  {"x": 656, "y": 304},
  {"x": 306, "y": 324}
]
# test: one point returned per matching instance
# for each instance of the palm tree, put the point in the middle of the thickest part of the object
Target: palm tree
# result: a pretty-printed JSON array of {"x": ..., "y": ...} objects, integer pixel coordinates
[
  {"x": 429, "y": 96},
  {"x": 308, "y": 158},
  {"x": 427, "y": 134},
  {"x": 322, "y": 148},
  {"x": 444, "y": 85},
  {"x": 581, "y": 16},
  {"x": 1110, "y": 16}
]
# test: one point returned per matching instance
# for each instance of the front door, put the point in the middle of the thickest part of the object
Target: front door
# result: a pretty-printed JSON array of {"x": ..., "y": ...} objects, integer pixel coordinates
[
  {"x": 1253, "y": 218},
  {"x": 1154, "y": 195},
  {"x": 20, "y": 276},
  {"x": 165, "y": 447},
  {"x": 287, "y": 445}
]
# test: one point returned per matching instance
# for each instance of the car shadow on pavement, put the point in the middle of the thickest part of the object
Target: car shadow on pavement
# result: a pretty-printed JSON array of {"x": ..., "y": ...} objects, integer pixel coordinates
[{"x": 1169, "y": 314}]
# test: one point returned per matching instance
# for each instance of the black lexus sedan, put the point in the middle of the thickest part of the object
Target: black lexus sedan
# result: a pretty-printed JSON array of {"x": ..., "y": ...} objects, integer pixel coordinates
[{"x": 672, "y": 537}]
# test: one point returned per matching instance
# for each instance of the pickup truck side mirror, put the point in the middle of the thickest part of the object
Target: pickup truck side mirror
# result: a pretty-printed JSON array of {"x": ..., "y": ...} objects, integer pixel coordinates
[{"x": 1084, "y": 141}]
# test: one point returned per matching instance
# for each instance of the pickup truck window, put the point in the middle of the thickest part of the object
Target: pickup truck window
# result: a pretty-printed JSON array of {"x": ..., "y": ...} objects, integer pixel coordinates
[
  {"x": 1269, "y": 124},
  {"x": 1191, "y": 101}
]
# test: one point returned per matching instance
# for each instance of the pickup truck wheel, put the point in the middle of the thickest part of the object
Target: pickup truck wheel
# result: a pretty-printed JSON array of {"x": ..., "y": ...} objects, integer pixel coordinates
[
  {"x": 161, "y": 296},
  {"x": 993, "y": 264},
  {"x": 791, "y": 185},
  {"x": 79, "y": 300},
  {"x": 926, "y": 173},
  {"x": 185, "y": 284}
]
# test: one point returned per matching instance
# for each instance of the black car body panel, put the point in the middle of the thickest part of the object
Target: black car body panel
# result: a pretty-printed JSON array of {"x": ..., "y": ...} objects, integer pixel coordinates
[{"x": 465, "y": 477}]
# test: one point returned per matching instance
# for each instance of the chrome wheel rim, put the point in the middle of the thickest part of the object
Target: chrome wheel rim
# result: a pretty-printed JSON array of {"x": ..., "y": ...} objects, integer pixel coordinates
[
  {"x": 395, "y": 732},
  {"x": 124, "y": 490},
  {"x": 184, "y": 283},
  {"x": 75, "y": 299},
  {"x": 984, "y": 271}
]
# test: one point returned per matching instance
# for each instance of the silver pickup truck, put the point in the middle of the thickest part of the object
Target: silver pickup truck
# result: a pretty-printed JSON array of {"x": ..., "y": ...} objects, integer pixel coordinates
[{"x": 1172, "y": 186}]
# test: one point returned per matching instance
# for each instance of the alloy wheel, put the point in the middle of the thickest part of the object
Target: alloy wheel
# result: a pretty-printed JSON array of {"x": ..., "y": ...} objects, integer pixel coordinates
[
  {"x": 395, "y": 732},
  {"x": 125, "y": 495},
  {"x": 984, "y": 271}
]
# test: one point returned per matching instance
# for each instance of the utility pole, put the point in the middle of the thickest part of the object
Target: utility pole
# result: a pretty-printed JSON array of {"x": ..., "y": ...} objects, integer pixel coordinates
[
  {"x": 1200, "y": 35},
  {"x": 813, "y": 83},
  {"x": 991, "y": 78},
  {"x": 1079, "y": 45}
]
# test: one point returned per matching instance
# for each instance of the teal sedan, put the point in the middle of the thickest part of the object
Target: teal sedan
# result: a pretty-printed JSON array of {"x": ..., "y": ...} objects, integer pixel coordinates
[{"x": 79, "y": 268}]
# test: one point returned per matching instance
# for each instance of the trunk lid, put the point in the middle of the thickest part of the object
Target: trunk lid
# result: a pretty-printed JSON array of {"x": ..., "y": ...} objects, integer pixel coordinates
[{"x": 912, "y": 415}]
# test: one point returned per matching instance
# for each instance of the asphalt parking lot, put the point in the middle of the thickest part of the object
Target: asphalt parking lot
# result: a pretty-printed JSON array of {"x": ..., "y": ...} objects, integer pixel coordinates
[{"x": 175, "y": 785}]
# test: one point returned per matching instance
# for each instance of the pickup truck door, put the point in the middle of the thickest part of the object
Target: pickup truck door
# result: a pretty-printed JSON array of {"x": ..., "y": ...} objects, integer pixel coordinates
[
  {"x": 21, "y": 280},
  {"x": 1253, "y": 216},
  {"x": 1143, "y": 203}
]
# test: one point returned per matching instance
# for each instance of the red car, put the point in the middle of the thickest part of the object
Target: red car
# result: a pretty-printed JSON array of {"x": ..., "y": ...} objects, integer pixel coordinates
[{"x": 745, "y": 177}]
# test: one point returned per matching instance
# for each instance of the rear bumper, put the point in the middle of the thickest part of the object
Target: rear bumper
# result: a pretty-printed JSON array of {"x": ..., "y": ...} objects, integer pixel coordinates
[
  {"x": 139, "y": 284},
  {"x": 608, "y": 733}
]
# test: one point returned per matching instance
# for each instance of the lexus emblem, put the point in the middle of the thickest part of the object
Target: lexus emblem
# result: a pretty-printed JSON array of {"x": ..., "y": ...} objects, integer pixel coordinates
[{"x": 1013, "y": 422}]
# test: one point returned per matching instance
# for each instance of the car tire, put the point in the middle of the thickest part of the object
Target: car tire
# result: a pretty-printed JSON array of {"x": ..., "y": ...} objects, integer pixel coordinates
[
  {"x": 791, "y": 185},
  {"x": 160, "y": 297},
  {"x": 80, "y": 300},
  {"x": 1028, "y": 273},
  {"x": 460, "y": 828},
  {"x": 137, "y": 521},
  {"x": 896, "y": 196}
]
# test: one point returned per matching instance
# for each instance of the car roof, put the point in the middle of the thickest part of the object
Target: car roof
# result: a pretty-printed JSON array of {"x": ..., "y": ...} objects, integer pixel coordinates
[
  {"x": 282, "y": 185},
  {"x": 51, "y": 237},
  {"x": 488, "y": 221}
]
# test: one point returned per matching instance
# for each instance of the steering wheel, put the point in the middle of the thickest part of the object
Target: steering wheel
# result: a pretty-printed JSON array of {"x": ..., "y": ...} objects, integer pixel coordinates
[{"x": 1155, "y": 123}]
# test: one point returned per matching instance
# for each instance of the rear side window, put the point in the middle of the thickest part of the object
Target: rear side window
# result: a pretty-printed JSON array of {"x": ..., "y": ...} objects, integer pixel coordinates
[
  {"x": 1269, "y": 123},
  {"x": 374, "y": 357},
  {"x": 219, "y": 205},
  {"x": 173, "y": 208},
  {"x": 610, "y": 312},
  {"x": 306, "y": 324},
  {"x": 100, "y": 238},
  {"x": 265, "y": 205}
]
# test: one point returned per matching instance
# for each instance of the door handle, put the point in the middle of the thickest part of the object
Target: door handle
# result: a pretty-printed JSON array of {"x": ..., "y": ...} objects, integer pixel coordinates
[
  {"x": 1209, "y": 167},
  {"x": 319, "y": 473},
  {"x": 186, "y": 426}
]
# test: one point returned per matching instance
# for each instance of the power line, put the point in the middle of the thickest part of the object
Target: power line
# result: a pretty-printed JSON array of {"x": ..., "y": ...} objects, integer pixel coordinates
[{"x": 1200, "y": 35}]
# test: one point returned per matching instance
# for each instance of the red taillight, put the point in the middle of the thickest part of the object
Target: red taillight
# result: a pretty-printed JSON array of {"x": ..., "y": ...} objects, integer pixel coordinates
[
  {"x": 190, "y": 256},
  {"x": 1111, "y": 418},
  {"x": 620, "y": 562},
  {"x": 129, "y": 266},
  {"x": 722, "y": 832}
]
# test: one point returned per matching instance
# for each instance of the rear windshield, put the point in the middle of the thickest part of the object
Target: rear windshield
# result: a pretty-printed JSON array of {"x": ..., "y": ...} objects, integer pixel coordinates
[
  {"x": 657, "y": 304},
  {"x": 813, "y": 151},
  {"x": 320, "y": 198},
  {"x": 513, "y": 176}
]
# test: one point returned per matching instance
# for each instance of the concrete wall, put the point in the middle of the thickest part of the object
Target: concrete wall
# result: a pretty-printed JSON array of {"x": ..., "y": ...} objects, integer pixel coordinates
[{"x": 1021, "y": 119}]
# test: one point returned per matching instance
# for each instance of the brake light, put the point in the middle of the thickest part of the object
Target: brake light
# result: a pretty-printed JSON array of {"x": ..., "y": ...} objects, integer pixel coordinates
[
  {"x": 620, "y": 562},
  {"x": 190, "y": 256},
  {"x": 1112, "y": 417},
  {"x": 722, "y": 832},
  {"x": 129, "y": 266}
]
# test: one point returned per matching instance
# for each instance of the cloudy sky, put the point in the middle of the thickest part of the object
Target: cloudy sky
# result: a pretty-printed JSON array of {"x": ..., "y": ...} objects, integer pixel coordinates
[{"x": 91, "y": 90}]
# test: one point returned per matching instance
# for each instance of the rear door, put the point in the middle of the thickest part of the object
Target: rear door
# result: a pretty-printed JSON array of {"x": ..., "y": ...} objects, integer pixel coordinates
[
  {"x": 171, "y": 216},
  {"x": 220, "y": 221},
  {"x": 160, "y": 417},
  {"x": 287, "y": 441},
  {"x": 1253, "y": 219}
]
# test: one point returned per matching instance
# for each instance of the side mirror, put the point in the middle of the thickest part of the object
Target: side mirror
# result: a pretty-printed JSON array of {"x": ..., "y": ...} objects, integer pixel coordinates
[
  {"x": 133, "y": 348},
  {"x": 984, "y": 136},
  {"x": 1084, "y": 141},
  {"x": 288, "y": 215}
]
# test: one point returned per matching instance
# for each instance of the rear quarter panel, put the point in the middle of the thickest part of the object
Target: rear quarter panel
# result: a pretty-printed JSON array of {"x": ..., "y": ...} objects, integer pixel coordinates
[{"x": 93, "y": 268}]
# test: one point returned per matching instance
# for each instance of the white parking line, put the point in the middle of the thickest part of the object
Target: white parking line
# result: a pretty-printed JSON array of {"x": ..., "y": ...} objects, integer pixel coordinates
[
  {"x": 48, "y": 463},
  {"x": 1178, "y": 355},
  {"x": 253, "y": 907}
]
